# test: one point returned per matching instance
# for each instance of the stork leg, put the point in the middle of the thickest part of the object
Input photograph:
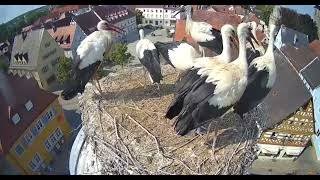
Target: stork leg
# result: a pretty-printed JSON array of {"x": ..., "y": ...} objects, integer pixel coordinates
[{"x": 145, "y": 78}]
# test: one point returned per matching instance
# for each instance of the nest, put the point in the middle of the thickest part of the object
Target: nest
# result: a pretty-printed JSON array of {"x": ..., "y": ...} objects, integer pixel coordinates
[{"x": 126, "y": 125}]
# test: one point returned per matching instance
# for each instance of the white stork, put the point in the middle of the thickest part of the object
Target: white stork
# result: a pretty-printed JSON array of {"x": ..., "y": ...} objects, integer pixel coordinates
[
  {"x": 149, "y": 58},
  {"x": 181, "y": 55},
  {"x": 183, "y": 86},
  {"x": 259, "y": 50},
  {"x": 261, "y": 78},
  {"x": 90, "y": 53},
  {"x": 215, "y": 87},
  {"x": 203, "y": 33}
]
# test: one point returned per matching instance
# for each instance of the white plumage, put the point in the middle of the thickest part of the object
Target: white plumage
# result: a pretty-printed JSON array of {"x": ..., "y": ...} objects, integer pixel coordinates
[
  {"x": 266, "y": 62},
  {"x": 182, "y": 57},
  {"x": 149, "y": 57},
  {"x": 92, "y": 48}
]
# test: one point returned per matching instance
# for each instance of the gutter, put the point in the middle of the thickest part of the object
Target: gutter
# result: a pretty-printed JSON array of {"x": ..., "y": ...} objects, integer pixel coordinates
[{"x": 76, "y": 151}]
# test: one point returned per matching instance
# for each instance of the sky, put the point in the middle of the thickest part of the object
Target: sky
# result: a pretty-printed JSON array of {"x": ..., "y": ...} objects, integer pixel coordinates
[
  {"x": 302, "y": 9},
  {"x": 8, "y": 12}
]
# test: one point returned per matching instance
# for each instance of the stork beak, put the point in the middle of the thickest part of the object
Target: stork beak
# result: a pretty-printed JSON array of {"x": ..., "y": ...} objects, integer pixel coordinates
[
  {"x": 179, "y": 10},
  {"x": 115, "y": 28},
  {"x": 250, "y": 41}
]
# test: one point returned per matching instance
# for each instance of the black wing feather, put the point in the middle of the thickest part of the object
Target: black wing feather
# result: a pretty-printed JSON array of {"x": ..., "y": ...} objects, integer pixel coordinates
[
  {"x": 196, "y": 109},
  {"x": 255, "y": 91},
  {"x": 151, "y": 61}
]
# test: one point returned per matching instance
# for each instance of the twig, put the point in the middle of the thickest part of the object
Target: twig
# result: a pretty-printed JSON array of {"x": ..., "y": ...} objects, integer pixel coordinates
[
  {"x": 148, "y": 132},
  {"x": 193, "y": 172},
  {"x": 186, "y": 143},
  {"x": 233, "y": 153}
]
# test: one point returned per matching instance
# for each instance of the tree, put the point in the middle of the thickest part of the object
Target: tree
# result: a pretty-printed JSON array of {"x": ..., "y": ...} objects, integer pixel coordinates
[
  {"x": 299, "y": 22},
  {"x": 139, "y": 16},
  {"x": 64, "y": 69},
  {"x": 119, "y": 54},
  {"x": 265, "y": 10}
]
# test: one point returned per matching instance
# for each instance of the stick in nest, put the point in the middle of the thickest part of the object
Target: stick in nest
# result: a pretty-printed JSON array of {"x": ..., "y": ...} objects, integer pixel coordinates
[{"x": 160, "y": 151}]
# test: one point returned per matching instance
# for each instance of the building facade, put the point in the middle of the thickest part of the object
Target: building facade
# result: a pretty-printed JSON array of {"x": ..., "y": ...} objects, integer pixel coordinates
[
  {"x": 317, "y": 17},
  {"x": 290, "y": 36},
  {"x": 36, "y": 54},
  {"x": 33, "y": 127},
  {"x": 159, "y": 15},
  {"x": 68, "y": 37},
  {"x": 115, "y": 14}
]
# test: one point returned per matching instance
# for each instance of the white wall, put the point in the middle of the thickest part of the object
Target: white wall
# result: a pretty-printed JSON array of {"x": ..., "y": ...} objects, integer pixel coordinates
[
  {"x": 274, "y": 149},
  {"x": 161, "y": 15}
]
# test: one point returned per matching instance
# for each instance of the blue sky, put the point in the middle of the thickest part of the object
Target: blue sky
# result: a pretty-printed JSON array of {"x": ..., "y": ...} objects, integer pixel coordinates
[
  {"x": 8, "y": 12},
  {"x": 303, "y": 9}
]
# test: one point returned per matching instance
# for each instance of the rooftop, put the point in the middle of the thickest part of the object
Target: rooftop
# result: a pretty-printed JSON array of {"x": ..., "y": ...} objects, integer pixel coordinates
[
  {"x": 14, "y": 93},
  {"x": 63, "y": 35},
  {"x": 298, "y": 57},
  {"x": 27, "y": 43},
  {"x": 315, "y": 46},
  {"x": 288, "y": 93}
]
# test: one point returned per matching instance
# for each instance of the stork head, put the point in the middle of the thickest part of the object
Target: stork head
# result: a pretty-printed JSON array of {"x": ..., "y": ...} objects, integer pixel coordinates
[
  {"x": 244, "y": 31},
  {"x": 105, "y": 25},
  {"x": 229, "y": 31},
  {"x": 184, "y": 8}
]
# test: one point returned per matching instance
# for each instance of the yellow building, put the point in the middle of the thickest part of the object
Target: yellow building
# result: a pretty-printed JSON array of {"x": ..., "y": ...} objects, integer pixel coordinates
[
  {"x": 36, "y": 54},
  {"x": 33, "y": 127}
]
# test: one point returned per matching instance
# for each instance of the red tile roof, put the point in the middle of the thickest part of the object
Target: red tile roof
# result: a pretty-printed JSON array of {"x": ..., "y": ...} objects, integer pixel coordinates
[
  {"x": 315, "y": 46},
  {"x": 15, "y": 92},
  {"x": 68, "y": 8},
  {"x": 65, "y": 34}
]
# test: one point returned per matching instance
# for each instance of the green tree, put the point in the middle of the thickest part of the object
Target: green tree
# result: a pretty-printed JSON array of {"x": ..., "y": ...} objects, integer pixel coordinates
[
  {"x": 119, "y": 54},
  {"x": 265, "y": 10},
  {"x": 64, "y": 69},
  {"x": 299, "y": 22},
  {"x": 139, "y": 16}
]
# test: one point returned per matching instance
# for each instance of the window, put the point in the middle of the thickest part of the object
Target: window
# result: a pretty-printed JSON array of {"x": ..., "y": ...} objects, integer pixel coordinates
[
  {"x": 160, "y": 22},
  {"x": 16, "y": 119},
  {"x": 35, "y": 162},
  {"x": 48, "y": 116},
  {"x": 156, "y": 10},
  {"x": 29, "y": 105},
  {"x": 53, "y": 139},
  {"x": 48, "y": 145},
  {"x": 58, "y": 133},
  {"x": 144, "y": 10},
  {"x": 161, "y": 11},
  {"x": 166, "y": 11},
  {"x": 37, "y": 128},
  {"x": 27, "y": 139},
  {"x": 45, "y": 69},
  {"x": 51, "y": 79},
  {"x": 19, "y": 149}
]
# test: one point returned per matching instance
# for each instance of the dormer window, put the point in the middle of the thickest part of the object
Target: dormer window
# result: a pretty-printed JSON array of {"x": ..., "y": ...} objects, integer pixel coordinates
[
  {"x": 29, "y": 105},
  {"x": 16, "y": 119}
]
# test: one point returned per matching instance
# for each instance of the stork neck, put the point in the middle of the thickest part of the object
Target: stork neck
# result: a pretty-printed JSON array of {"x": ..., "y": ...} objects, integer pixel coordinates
[
  {"x": 141, "y": 34},
  {"x": 226, "y": 48},
  {"x": 271, "y": 40},
  {"x": 241, "y": 61}
]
